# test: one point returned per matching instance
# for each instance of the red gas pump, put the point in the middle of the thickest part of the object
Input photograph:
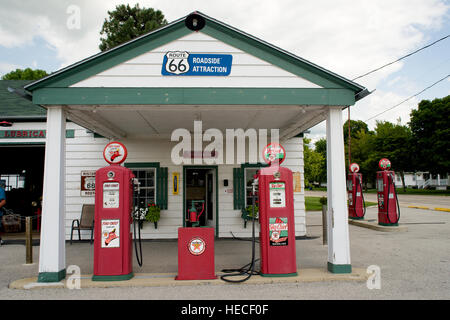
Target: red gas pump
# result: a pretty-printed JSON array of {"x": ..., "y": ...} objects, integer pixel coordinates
[
  {"x": 356, "y": 205},
  {"x": 113, "y": 217},
  {"x": 388, "y": 207},
  {"x": 276, "y": 215}
]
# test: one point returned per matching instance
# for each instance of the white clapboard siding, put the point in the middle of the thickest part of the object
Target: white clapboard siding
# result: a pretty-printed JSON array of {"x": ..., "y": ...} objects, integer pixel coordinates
[
  {"x": 246, "y": 70},
  {"x": 88, "y": 156}
]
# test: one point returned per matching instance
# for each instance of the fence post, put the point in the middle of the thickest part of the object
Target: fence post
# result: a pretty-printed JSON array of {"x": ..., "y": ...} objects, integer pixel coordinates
[
  {"x": 28, "y": 240},
  {"x": 324, "y": 224}
]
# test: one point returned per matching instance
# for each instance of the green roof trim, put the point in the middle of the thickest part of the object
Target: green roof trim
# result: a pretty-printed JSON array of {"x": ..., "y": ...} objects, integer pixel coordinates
[
  {"x": 193, "y": 96},
  {"x": 54, "y": 89}
]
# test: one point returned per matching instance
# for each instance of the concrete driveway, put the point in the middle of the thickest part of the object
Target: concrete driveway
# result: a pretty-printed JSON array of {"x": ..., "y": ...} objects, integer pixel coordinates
[{"x": 414, "y": 264}]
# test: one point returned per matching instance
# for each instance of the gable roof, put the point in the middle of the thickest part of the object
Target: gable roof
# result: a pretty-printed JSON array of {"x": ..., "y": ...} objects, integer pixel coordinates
[{"x": 95, "y": 64}]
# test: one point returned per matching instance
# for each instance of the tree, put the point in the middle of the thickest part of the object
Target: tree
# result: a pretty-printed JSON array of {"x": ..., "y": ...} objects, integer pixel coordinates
[
  {"x": 394, "y": 141},
  {"x": 126, "y": 23},
  {"x": 355, "y": 127},
  {"x": 313, "y": 164},
  {"x": 321, "y": 148},
  {"x": 25, "y": 74},
  {"x": 430, "y": 127}
]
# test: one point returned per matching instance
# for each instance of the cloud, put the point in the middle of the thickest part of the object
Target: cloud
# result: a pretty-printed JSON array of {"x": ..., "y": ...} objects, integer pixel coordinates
[
  {"x": 8, "y": 67},
  {"x": 345, "y": 36}
]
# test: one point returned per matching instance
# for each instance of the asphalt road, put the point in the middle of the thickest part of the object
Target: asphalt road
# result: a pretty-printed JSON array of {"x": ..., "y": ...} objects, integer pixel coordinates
[{"x": 413, "y": 265}]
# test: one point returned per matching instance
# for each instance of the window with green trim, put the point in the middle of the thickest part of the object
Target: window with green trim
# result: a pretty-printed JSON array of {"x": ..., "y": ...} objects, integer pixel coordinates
[
  {"x": 242, "y": 184},
  {"x": 147, "y": 189},
  {"x": 249, "y": 174},
  {"x": 153, "y": 183}
]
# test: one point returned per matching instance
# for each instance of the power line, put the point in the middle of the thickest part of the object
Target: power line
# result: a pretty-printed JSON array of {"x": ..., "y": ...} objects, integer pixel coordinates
[
  {"x": 409, "y": 98},
  {"x": 409, "y": 54}
]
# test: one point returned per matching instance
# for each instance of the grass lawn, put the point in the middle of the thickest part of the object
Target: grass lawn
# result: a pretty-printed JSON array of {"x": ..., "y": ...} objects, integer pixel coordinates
[{"x": 313, "y": 204}]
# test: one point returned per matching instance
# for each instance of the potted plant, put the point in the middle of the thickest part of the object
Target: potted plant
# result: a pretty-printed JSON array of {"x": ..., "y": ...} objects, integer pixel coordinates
[
  {"x": 153, "y": 213},
  {"x": 247, "y": 213}
]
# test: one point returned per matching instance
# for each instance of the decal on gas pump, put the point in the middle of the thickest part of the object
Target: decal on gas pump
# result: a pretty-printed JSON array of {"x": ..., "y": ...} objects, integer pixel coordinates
[
  {"x": 278, "y": 231},
  {"x": 111, "y": 195},
  {"x": 197, "y": 246},
  {"x": 110, "y": 233},
  {"x": 277, "y": 191}
]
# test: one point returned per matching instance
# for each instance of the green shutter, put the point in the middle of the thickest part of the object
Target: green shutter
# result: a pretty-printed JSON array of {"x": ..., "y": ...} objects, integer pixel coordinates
[
  {"x": 238, "y": 188},
  {"x": 162, "y": 188}
]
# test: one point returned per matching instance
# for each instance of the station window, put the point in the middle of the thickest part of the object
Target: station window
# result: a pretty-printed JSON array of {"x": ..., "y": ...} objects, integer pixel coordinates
[
  {"x": 153, "y": 183},
  {"x": 13, "y": 181},
  {"x": 242, "y": 184},
  {"x": 249, "y": 174},
  {"x": 147, "y": 180}
]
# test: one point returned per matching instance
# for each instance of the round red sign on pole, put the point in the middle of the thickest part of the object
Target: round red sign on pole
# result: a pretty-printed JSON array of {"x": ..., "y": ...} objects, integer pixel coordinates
[
  {"x": 274, "y": 152},
  {"x": 384, "y": 164},
  {"x": 115, "y": 153}
]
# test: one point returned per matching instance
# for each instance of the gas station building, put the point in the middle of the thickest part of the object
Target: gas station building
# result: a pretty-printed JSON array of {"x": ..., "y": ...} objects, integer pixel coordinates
[{"x": 200, "y": 80}]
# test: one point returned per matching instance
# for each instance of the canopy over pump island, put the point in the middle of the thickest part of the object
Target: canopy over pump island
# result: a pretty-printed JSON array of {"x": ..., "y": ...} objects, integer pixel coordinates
[{"x": 195, "y": 103}]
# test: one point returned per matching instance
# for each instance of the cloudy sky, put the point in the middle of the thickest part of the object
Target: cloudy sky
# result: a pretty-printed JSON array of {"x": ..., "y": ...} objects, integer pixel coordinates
[{"x": 345, "y": 36}]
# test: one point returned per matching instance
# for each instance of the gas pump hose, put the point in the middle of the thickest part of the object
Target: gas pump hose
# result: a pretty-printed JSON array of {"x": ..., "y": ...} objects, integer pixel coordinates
[
  {"x": 248, "y": 269},
  {"x": 396, "y": 198},
  {"x": 362, "y": 196},
  {"x": 137, "y": 213},
  {"x": 138, "y": 255}
]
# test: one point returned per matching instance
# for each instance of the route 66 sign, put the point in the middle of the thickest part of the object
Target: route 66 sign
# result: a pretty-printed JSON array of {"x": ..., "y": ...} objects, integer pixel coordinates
[{"x": 176, "y": 62}]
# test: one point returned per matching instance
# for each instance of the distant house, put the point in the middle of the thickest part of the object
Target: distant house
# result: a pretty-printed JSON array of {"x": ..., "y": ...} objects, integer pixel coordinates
[{"x": 423, "y": 180}]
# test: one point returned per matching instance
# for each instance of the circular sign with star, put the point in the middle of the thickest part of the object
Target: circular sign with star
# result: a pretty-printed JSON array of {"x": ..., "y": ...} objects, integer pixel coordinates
[{"x": 197, "y": 246}]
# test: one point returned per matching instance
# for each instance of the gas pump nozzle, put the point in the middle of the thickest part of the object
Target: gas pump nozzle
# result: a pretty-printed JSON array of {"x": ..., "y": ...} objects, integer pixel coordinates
[{"x": 137, "y": 216}]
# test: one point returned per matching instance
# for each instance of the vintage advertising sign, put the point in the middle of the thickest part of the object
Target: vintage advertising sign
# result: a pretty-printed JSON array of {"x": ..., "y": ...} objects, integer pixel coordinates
[
  {"x": 277, "y": 194},
  {"x": 197, "y": 246},
  {"x": 296, "y": 178},
  {"x": 183, "y": 63},
  {"x": 110, "y": 233},
  {"x": 278, "y": 231},
  {"x": 384, "y": 164},
  {"x": 115, "y": 153},
  {"x": 29, "y": 134},
  {"x": 274, "y": 152},
  {"x": 354, "y": 167},
  {"x": 111, "y": 195},
  {"x": 88, "y": 183}
]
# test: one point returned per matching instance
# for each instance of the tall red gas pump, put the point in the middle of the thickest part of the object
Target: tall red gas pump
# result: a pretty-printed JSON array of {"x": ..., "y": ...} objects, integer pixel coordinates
[
  {"x": 356, "y": 206},
  {"x": 388, "y": 207},
  {"x": 113, "y": 217},
  {"x": 276, "y": 215}
]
